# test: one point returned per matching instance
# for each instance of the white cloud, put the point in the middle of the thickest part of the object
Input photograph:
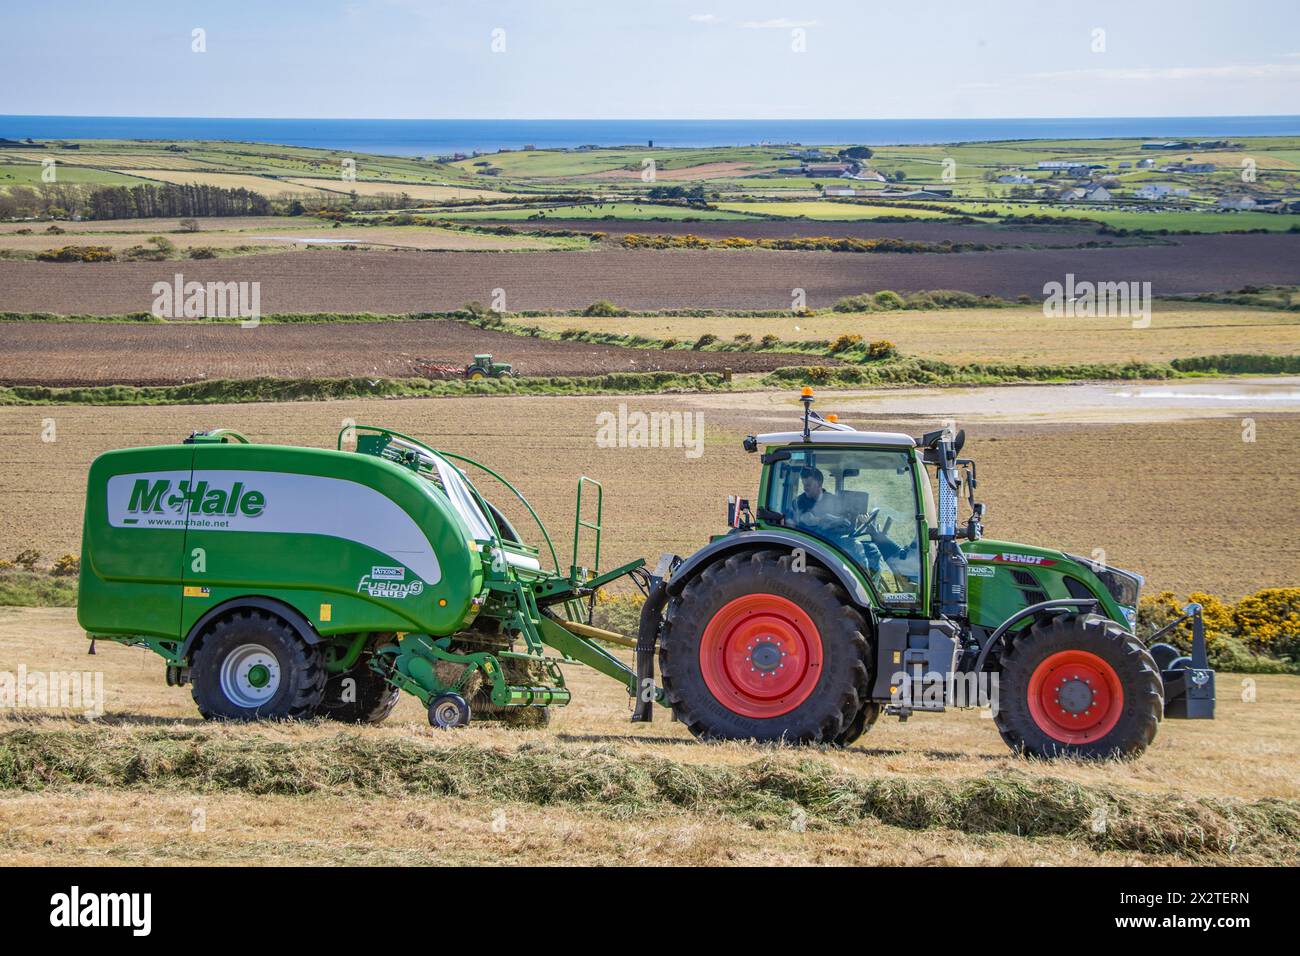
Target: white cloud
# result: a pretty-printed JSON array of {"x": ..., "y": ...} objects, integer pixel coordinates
[
  {"x": 780, "y": 23},
  {"x": 705, "y": 18}
]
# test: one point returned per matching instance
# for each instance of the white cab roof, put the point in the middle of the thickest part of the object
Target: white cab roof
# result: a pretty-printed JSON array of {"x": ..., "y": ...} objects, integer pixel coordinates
[{"x": 826, "y": 436}]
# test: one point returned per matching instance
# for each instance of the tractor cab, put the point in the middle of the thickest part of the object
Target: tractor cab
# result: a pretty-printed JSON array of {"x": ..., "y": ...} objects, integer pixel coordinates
[{"x": 865, "y": 494}]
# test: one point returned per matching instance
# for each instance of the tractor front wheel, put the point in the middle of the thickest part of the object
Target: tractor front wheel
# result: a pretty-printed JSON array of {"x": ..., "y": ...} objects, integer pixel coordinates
[
  {"x": 754, "y": 648},
  {"x": 1079, "y": 685}
]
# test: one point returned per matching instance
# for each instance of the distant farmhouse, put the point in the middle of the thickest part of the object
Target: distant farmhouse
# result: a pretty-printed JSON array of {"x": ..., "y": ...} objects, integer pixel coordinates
[
  {"x": 1158, "y": 191},
  {"x": 1168, "y": 144},
  {"x": 930, "y": 192},
  {"x": 1016, "y": 179},
  {"x": 1086, "y": 194},
  {"x": 823, "y": 170}
]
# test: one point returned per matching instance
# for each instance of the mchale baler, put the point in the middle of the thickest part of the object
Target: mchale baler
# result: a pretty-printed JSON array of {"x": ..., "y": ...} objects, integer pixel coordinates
[{"x": 286, "y": 582}]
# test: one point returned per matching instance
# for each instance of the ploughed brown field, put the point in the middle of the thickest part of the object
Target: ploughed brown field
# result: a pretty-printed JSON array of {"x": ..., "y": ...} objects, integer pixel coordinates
[
  {"x": 1066, "y": 234},
  {"x": 1163, "y": 498},
  {"x": 762, "y": 279},
  {"x": 85, "y": 353}
]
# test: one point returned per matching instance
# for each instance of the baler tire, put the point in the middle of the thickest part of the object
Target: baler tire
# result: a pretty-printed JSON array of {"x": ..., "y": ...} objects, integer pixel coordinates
[
  {"x": 1129, "y": 694},
  {"x": 299, "y": 671},
  {"x": 810, "y": 708},
  {"x": 449, "y": 711},
  {"x": 375, "y": 697}
]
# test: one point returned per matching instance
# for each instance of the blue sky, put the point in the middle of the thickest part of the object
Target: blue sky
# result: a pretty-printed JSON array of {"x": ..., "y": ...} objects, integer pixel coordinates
[{"x": 687, "y": 59}]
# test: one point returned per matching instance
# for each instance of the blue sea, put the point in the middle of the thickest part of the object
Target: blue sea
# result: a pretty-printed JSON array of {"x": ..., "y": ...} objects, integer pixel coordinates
[{"x": 441, "y": 137}]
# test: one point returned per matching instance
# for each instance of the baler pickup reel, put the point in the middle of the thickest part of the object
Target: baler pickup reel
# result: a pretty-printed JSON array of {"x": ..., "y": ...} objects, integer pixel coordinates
[{"x": 521, "y": 601}]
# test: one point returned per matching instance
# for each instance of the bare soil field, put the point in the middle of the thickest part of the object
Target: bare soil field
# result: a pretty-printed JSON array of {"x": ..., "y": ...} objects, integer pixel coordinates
[
  {"x": 1250, "y": 752},
  {"x": 131, "y": 353},
  {"x": 1070, "y": 234},
  {"x": 1016, "y": 334},
  {"x": 1161, "y": 494},
  {"x": 409, "y": 282}
]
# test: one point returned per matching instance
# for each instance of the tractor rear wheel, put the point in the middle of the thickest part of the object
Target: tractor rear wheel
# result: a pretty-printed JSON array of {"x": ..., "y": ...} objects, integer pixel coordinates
[
  {"x": 1079, "y": 685},
  {"x": 250, "y": 665},
  {"x": 368, "y": 699},
  {"x": 754, "y": 649}
]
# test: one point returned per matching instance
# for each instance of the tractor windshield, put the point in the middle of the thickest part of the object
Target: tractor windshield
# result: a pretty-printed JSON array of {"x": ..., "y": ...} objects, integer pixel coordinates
[{"x": 861, "y": 500}]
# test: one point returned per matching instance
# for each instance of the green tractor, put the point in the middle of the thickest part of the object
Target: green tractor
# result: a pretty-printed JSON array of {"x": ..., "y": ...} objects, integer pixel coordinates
[
  {"x": 483, "y": 367},
  {"x": 282, "y": 582},
  {"x": 847, "y": 593}
]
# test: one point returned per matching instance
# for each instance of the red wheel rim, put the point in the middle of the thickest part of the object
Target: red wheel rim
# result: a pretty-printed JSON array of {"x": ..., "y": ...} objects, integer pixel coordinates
[
  {"x": 761, "y": 655},
  {"x": 1075, "y": 697}
]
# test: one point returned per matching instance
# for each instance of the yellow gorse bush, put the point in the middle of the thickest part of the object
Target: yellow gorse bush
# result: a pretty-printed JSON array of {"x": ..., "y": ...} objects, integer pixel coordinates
[{"x": 1266, "y": 622}]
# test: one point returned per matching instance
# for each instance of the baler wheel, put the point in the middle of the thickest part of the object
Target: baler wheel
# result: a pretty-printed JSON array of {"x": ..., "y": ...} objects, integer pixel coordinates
[
  {"x": 1079, "y": 685},
  {"x": 448, "y": 711},
  {"x": 754, "y": 648},
  {"x": 374, "y": 698},
  {"x": 250, "y": 665}
]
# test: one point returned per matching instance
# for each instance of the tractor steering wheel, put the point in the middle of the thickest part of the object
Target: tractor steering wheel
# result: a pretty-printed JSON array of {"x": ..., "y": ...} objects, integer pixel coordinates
[{"x": 866, "y": 524}]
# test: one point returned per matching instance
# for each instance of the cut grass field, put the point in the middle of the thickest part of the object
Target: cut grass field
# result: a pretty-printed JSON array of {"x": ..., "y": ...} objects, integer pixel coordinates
[
  {"x": 1131, "y": 486},
  {"x": 1015, "y": 334},
  {"x": 420, "y": 191},
  {"x": 593, "y": 788}
]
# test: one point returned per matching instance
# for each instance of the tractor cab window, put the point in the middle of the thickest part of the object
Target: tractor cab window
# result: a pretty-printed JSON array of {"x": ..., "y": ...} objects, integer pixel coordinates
[{"x": 862, "y": 501}]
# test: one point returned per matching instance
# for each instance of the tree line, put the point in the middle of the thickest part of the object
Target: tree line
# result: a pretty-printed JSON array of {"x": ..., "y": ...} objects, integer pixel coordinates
[{"x": 65, "y": 200}]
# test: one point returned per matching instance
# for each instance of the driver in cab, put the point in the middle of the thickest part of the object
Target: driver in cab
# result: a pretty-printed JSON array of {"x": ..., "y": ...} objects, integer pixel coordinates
[{"x": 816, "y": 509}]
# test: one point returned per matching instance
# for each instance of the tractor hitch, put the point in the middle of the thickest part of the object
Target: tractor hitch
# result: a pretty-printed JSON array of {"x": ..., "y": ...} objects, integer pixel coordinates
[{"x": 1189, "y": 680}]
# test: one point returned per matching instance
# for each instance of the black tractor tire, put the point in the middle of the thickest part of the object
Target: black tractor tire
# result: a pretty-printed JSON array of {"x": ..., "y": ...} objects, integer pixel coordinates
[
  {"x": 831, "y": 682},
  {"x": 864, "y": 721},
  {"x": 251, "y": 665},
  {"x": 1055, "y": 675},
  {"x": 374, "y": 698}
]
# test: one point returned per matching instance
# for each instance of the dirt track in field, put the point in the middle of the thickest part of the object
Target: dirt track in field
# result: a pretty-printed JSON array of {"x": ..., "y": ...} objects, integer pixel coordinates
[
  {"x": 399, "y": 282},
  {"x": 85, "y": 353}
]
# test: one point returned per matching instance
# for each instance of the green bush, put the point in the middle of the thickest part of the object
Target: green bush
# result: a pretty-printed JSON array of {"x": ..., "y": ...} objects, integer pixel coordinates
[
  {"x": 708, "y": 338},
  {"x": 601, "y": 307}
]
